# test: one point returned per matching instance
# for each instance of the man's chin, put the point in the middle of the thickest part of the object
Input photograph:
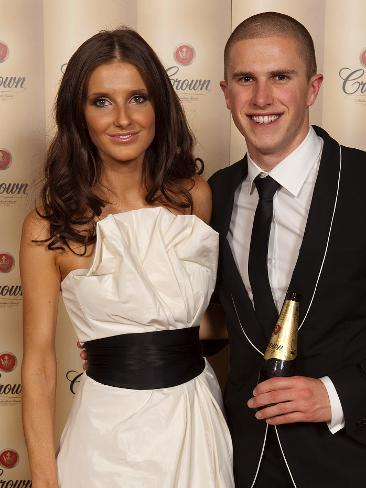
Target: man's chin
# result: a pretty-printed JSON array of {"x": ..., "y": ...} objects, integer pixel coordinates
[{"x": 263, "y": 148}]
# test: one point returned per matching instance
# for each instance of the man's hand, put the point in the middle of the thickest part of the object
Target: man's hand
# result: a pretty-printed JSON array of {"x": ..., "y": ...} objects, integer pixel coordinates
[
  {"x": 289, "y": 400},
  {"x": 83, "y": 356}
]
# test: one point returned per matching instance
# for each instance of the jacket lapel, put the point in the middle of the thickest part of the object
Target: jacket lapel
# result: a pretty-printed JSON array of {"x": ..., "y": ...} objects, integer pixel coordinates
[
  {"x": 240, "y": 301},
  {"x": 233, "y": 283},
  {"x": 313, "y": 250}
]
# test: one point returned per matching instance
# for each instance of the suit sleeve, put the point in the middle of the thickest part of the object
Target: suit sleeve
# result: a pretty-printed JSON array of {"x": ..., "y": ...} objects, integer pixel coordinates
[
  {"x": 213, "y": 182},
  {"x": 350, "y": 384},
  {"x": 350, "y": 381}
]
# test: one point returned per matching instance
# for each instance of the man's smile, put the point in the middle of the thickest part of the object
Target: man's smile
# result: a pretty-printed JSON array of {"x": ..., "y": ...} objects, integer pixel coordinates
[{"x": 265, "y": 119}]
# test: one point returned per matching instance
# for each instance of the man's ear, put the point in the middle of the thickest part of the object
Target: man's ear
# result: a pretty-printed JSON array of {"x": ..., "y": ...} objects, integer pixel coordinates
[
  {"x": 314, "y": 87},
  {"x": 225, "y": 89}
]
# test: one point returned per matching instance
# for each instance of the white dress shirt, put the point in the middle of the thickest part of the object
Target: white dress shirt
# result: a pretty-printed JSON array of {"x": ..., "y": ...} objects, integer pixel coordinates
[{"x": 297, "y": 175}]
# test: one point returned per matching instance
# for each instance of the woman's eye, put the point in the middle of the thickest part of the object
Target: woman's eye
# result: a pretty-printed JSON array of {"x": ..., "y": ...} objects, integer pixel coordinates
[
  {"x": 101, "y": 102},
  {"x": 138, "y": 99}
]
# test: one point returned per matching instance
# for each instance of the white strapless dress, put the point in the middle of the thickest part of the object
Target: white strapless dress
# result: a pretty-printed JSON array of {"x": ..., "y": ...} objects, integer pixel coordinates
[{"x": 152, "y": 271}]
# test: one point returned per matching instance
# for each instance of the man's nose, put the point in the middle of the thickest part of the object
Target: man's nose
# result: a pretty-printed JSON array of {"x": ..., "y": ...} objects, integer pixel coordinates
[{"x": 262, "y": 95}]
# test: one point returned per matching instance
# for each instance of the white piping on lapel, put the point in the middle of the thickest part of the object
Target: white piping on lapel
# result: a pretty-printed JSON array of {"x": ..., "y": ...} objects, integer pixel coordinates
[
  {"x": 247, "y": 338},
  {"x": 326, "y": 247},
  {"x": 260, "y": 457},
  {"x": 284, "y": 457}
]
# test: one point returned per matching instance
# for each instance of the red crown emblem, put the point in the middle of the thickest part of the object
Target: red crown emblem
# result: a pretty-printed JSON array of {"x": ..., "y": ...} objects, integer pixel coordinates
[
  {"x": 5, "y": 159},
  {"x": 9, "y": 458},
  {"x": 363, "y": 57},
  {"x": 6, "y": 262},
  {"x": 8, "y": 362},
  {"x": 4, "y": 52},
  {"x": 184, "y": 54}
]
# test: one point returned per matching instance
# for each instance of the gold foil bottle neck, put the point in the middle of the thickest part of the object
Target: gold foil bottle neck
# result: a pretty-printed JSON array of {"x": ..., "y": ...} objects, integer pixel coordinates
[{"x": 283, "y": 342}]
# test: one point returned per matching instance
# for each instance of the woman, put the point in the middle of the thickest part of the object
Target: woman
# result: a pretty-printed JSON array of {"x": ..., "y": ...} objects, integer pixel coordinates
[{"x": 123, "y": 232}]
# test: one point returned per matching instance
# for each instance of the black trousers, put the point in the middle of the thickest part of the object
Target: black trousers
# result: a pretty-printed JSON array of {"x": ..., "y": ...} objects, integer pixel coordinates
[{"x": 273, "y": 472}]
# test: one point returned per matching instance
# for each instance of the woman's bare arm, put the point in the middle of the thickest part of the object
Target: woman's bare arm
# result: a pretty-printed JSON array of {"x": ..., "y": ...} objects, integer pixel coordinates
[
  {"x": 41, "y": 285},
  {"x": 213, "y": 326}
]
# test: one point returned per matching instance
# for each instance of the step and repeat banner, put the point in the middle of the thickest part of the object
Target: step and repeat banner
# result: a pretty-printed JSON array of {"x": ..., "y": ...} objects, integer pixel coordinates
[{"x": 36, "y": 40}]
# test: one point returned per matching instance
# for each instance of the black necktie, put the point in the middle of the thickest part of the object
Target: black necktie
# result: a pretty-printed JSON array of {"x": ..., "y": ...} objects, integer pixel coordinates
[{"x": 264, "y": 305}]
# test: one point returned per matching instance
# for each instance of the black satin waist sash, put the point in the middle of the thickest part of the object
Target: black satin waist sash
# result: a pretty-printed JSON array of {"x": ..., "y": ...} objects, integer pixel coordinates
[{"x": 146, "y": 361}]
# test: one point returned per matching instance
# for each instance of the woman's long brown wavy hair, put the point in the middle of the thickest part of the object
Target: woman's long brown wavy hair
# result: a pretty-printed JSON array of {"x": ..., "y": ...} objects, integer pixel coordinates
[{"x": 73, "y": 166}]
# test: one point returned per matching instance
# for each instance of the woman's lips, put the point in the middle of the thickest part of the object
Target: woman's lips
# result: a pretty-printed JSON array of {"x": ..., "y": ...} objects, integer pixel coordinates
[{"x": 124, "y": 137}]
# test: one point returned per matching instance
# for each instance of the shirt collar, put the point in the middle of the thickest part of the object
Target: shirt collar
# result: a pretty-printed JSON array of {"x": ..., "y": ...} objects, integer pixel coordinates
[{"x": 292, "y": 172}]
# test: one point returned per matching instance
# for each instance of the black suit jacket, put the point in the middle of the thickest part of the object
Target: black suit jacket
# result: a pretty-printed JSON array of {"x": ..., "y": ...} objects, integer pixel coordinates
[{"x": 330, "y": 276}]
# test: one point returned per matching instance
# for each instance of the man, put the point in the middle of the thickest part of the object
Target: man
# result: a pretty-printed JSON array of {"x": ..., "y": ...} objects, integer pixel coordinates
[{"x": 307, "y": 431}]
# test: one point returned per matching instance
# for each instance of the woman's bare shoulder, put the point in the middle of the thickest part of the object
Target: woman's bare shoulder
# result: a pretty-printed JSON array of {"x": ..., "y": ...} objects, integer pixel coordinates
[
  {"x": 202, "y": 198},
  {"x": 35, "y": 227}
]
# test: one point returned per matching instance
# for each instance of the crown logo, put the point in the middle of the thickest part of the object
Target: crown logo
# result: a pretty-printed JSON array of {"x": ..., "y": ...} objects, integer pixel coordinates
[
  {"x": 6, "y": 262},
  {"x": 184, "y": 54},
  {"x": 7, "y": 362},
  {"x": 9, "y": 458}
]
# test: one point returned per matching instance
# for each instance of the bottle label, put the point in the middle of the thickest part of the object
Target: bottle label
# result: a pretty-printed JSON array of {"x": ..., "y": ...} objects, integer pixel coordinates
[{"x": 283, "y": 342}]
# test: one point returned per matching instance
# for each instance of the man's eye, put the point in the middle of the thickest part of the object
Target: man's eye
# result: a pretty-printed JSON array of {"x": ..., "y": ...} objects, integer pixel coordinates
[
  {"x": 101, "y": 102},
  {"x": 245, "y": 79},
  {"x": 281, "y": 77}
]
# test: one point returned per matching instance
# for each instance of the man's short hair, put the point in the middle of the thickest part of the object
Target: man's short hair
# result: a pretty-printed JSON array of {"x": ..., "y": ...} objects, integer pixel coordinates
[{"x": 268, "y": 24}]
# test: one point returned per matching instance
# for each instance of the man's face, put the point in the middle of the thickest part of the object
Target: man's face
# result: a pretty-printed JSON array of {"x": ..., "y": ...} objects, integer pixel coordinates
[{"x": 268, "y": 93}]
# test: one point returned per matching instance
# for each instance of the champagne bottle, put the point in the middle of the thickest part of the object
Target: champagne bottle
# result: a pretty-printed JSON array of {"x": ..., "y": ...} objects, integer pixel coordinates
[{"x": 281, "y": 352}]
